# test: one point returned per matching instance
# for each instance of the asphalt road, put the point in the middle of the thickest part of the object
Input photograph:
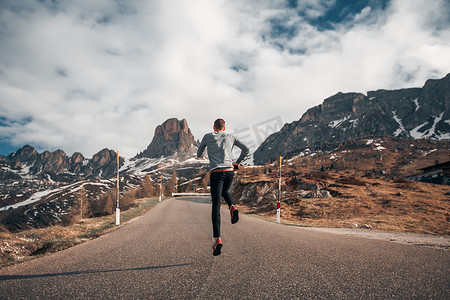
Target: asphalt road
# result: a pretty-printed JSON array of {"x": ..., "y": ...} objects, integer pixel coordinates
[{"x": 166, "y": 254}]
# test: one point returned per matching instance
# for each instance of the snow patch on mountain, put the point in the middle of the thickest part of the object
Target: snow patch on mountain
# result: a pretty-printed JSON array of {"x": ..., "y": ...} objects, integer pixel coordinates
[
  {"x": 401, "y": 127},
  {"x": 415, "y": 132},
  {"x": 140, "y": 165},
  {"x": 354, "y": 122},
  {"x": 416, "y": 101},
  {"x": 337, "y": 123},
  {"x": 430, "y": 133},
  {"x": 36, "y": 197}
]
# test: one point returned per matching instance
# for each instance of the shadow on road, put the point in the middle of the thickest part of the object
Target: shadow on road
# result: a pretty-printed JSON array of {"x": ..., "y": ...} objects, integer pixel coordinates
[{"x": 15, "y": 277}]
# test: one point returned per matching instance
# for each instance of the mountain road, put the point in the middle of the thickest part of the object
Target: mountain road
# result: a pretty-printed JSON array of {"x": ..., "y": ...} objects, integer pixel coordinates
[{"x": 167, "y": 254}]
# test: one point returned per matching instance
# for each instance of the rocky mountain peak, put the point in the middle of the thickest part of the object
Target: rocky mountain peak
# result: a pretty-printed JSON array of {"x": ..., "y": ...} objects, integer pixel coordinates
[
  {"x": 76, "y": 158},
  {"x": 26, "y": 154},
  {"x": 56, "y": 162},
  {"x": 76, "y": 163},
  {"x": 418, "y": 113},
  {"x": 104, "y": 163},
  {"x": 173, "y": 136}
]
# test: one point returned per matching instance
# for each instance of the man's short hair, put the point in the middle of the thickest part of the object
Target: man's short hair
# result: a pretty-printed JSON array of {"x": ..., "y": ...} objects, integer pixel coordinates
[{"x": 219, "y": 124}]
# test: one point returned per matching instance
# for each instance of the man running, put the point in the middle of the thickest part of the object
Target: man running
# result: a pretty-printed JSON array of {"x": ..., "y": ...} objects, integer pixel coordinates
[{"x": 220, "y": 145}]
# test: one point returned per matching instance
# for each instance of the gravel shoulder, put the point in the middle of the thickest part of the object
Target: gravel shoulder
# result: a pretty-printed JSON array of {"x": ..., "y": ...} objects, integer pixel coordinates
[
  {"x": 417, "y": 239},
  {"x": 440, "y": 242}
]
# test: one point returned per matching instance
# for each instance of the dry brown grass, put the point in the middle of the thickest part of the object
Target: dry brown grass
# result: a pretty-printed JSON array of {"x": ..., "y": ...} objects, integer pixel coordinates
[
  {"x": 27, "y": 244},
  {"x": 366, "y": 185},
  {"x": 385, "y": 204},
  {"x": 4, "y": 233}
]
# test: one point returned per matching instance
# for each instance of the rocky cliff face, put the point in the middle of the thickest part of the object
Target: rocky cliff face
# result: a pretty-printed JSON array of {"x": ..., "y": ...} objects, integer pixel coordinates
[
  {"x": 406, "y": 113},
  {"x": 173, "y": 136}
]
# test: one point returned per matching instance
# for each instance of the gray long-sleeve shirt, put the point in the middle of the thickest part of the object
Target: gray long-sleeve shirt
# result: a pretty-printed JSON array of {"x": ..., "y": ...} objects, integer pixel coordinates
[{"x": 220, "y": 146}]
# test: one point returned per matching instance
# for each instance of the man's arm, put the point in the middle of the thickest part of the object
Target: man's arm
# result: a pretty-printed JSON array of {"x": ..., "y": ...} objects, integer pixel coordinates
[
  {"x": 201, "y": 148},
  {"x": 244, "y": 150}
]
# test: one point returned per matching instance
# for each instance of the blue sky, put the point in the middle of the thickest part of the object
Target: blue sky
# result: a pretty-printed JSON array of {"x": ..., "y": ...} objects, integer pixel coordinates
[{"x": 84, "y": 75}]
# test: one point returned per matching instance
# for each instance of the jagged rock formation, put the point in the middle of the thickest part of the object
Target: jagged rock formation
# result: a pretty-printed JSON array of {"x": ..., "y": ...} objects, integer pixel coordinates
[
  {"x": 406, "y": 113},
  {"x": 173, "y": 136},
  {"x": 57, "y": 166}
]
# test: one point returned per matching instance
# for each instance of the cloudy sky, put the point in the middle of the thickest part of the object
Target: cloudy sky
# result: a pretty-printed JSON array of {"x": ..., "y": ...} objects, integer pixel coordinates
[{"x": 84, "y": 75}]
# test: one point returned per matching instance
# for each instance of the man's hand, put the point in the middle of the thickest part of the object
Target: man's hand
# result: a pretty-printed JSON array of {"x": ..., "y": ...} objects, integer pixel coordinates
[{"x": 236, "y": 166}]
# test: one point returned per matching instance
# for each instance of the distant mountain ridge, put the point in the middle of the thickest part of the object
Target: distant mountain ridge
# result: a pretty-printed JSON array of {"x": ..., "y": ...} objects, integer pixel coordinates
[
  {"x": 57, "y": 166},
  {"x": 172, "y": 138},
  {"x": 405, "y": 113}
]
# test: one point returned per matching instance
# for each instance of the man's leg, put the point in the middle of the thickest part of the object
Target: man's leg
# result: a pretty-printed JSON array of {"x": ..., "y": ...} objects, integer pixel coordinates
[
  {"x": 227, "y": 196},
  {"x": 228, "y": 179},
  {"x": 216, "y": 183},
  {"x": 216, "y": 188}
]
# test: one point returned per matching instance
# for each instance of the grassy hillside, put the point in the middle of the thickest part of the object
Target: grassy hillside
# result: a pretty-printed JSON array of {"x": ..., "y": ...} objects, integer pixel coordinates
[{"x": 361, "y": 182}]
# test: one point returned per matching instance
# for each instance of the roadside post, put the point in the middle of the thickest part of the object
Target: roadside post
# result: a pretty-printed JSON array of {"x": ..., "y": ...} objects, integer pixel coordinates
[
  {"x": 117, "y": 197},
  {"x": 160, "y": 189},
  {"x": 279, "y": 196}
]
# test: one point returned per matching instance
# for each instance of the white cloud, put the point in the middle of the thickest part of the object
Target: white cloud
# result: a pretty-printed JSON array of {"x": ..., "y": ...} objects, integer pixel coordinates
[{"x": 86, "y": 75}]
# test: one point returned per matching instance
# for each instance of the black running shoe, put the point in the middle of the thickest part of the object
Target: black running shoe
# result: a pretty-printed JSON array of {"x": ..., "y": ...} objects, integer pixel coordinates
[{"x": 234, "y": 214}]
